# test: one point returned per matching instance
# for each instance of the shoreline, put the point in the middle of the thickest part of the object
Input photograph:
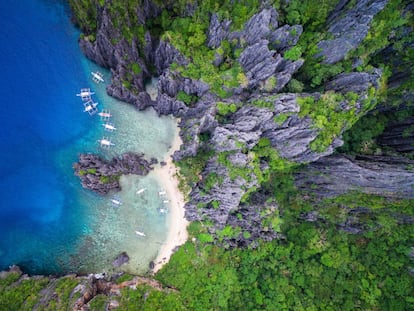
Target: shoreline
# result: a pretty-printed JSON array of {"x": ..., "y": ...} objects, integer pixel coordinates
[{"x": 177, "y": 233}]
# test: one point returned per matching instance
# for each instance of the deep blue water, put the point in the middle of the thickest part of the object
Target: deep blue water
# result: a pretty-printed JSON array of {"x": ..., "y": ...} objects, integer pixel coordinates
[{"x": 40, "y": 71}]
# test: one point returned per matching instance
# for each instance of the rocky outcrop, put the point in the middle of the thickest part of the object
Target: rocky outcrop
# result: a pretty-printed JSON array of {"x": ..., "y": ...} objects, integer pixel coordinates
[
  {"x": 399, "y": 135},
  {"x": 348, "y": 28},
  {"x": 356, "y": 82},
  {"x": 335, "y": 175},
  {"x": 217, "y": 32},
  {"x": 285, "y": 37},
  {"x": 84, "y": 289},
  {"x": 102, "y": 176},
  {"x": 260, "y": 63}
]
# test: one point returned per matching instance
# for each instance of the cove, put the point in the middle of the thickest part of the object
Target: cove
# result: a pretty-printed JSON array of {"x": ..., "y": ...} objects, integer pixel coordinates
[{"x": 49, "y": 224}]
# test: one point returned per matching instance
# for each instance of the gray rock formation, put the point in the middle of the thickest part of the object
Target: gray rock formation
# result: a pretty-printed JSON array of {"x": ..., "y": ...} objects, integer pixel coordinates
[
  {"x": 260, "y": 63},
  {"x": 227, "y": 192},
  {"x": 399, "y": 135},
  {"x": 336, "y": 175},
  {"x": 217, "y": 32},
  {"x": 291, "y": 138},
  {"x": 285, "y": 37},
  {"x": 259, "y": 26},
  {"x": 102, "y": 176},
  {"x": 165, "y": 54},
  {"x": 357, "y": 82},
  {"x": 348, "y": 28}
]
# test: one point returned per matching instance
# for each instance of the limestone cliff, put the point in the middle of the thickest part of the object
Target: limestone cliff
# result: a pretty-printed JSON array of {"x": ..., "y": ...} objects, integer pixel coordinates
[{"x": 250, "y": 125}]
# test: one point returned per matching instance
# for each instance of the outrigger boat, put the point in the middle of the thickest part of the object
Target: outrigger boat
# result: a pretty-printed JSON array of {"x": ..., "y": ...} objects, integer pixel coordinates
[
  {"x": 90, "y": 107},
  {"x": 116, "y": 202},
  {"x": 85, "y": 94},
  {"x": 105, "y": 142},
  {"x": 97, "y": 77},
  {"x": 161, "y": 193},
  {"x": 141, "y": 190},
  {"x": 139, "y": 233},
  {"x": 105, "y": 115},
  {"x": 109, "y": 127}
]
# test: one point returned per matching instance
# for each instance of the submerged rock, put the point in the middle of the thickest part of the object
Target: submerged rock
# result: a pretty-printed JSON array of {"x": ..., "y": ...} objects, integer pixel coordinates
[{"x": 123, "y": 258}]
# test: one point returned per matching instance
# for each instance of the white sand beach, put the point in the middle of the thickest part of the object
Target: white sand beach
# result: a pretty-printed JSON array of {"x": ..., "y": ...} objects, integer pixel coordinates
[{"x": 177, "y": 235}]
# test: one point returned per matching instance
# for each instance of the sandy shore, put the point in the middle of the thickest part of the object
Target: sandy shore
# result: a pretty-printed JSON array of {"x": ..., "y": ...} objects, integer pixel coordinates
[{"x": 177, "y": 235}]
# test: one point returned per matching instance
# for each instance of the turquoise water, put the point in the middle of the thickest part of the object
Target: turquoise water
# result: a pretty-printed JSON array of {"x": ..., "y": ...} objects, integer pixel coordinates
[{"x": 48, "y": 223}]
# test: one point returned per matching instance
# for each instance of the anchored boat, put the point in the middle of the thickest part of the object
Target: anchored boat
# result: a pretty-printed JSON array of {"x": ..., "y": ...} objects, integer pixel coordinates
[
  {"x": 97, "y": 77},
  {"x": 109, "y": 127},
  {"x": 90, "y": 107},
  {"x": 105, "y": 115},
  {"x": 115, "y": 201},
  {"x": 105, "y": 142},
  {"x": 139, "y": 233},
  {"x": 85, "y": 94}
]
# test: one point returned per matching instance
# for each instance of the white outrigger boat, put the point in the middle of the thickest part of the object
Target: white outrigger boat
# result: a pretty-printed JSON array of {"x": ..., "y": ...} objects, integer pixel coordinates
[
  {"x": 105, "y": 115},
  {"x": 141, "y": 190},
  {"x": 105, "y": 142},
  {"x": 97, "y": 77},
  {"x": 116, "y": 202},
  {"x": 90, "y": 107},
  {"x": 139, "y": 233},
  {"x": 109, "y": 127},
  {"x": 161, "y": 193},
  {"x": 85, "y": 94}
]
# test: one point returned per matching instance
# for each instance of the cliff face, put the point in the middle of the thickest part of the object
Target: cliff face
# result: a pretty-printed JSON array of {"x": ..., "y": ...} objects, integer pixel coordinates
[
  {"x": 257, "y": 126},
  {"x": 336, "y": 175}
]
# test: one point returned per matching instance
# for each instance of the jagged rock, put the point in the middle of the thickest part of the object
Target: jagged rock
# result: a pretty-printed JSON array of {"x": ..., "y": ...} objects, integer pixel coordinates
[
  {"x": 102, "y": 176},
  {"x": 167, "y": 105},
  {"x": 260, "y": 63},
  {"x": 336, "y": 175},
  {"x": 165, "y": 55},
  {"x": 143, "y": 101},
  {"x": 348, "y": 27},
  {"x": 217, "y": 31},
  {"x": 259, "y": 26},
  {"x": 226, "y": 193},
  {"x": 399, "y": 135},
  {"x": 285, "y": 37},
  {"x": 171, "y": 84},
  {"x": 195, "y": 121},
  {"x": 357, "y": 82},
  {"x": 284, "y": 73}
]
